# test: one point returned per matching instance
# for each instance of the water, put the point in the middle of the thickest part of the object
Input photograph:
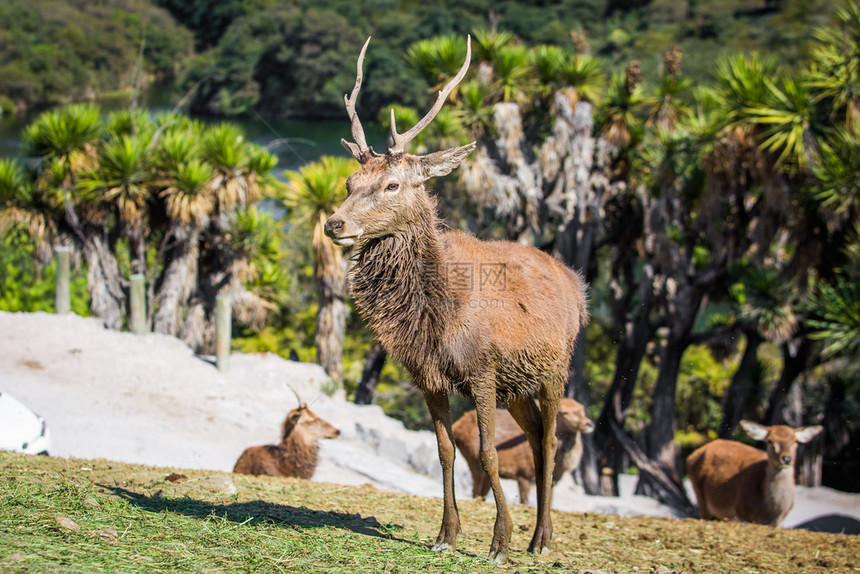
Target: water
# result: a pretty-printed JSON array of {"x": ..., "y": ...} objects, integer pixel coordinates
[{"x": 295, "y": 142}]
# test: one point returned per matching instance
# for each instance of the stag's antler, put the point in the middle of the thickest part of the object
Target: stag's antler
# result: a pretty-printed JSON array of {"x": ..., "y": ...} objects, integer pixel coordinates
[
  {"x": 402, "y": 140},
  {"x": 298, "y": 398},
  {"x": 359, "y": 150}
]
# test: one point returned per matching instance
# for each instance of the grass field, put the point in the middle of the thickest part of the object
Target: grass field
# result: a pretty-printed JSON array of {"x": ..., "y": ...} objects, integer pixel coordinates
[{"x": 72, "y": 515}]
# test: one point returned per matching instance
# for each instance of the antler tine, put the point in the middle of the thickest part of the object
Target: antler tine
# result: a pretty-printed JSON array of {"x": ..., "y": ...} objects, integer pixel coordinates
[
  {"x": 298, "y": 398},
  {"x": 402, "y": 140},
  {"x": 360, "y": 147}
]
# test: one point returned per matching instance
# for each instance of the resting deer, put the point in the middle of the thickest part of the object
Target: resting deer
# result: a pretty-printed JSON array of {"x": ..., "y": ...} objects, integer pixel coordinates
[
  {"x": 516, "y": 460},
  {"x": 296, "y": 455},
  {"x": 736, "y": 481},
  {"x": 494, "y": 320}
]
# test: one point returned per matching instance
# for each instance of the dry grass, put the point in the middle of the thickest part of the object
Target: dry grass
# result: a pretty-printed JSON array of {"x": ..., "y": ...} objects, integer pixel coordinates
[{"x": 69, "y": 515}]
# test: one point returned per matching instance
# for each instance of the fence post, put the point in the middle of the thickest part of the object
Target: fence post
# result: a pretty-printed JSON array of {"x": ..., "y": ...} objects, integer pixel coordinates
[
  {"x": 137, "y": 302},
  {"x": 62, "y": 298},
  {"x": 223, "y": 328}
]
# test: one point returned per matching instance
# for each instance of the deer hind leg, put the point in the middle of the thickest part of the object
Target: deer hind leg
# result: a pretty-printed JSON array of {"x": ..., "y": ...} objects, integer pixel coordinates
[
  {"x": 440, "y": 412},
  {"x": 485, "y": 406},
  {"x": 549, "y": 396},
  {"x": 529, "y": 417}
]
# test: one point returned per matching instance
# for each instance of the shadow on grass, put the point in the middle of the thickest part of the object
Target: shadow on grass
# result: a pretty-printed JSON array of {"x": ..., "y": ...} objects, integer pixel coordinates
[{"x": 258, "y": 511}]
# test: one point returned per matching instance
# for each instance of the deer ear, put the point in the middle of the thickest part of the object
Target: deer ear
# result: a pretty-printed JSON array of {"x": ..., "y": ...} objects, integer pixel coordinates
[
  {"x": 806, "y": 434},
  {"x": 294, "y": 416},
  {"x": 443, "y": 162},
  {"x": 755, "y": 430}
]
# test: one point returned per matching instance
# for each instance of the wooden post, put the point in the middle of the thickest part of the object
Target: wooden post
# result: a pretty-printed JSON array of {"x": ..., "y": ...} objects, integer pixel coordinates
[
  {"x": 137, "y": 302},
  {"x": 223, "y": 328},
  {"x": 62, "y": 298}
]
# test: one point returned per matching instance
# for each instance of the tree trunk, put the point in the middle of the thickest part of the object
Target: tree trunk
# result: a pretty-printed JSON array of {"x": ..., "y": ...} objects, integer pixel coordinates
[
  {"x": 107, "y": 299},
  {"x": 660, "y": 443},
  {"x": 741, "y": 391},
  {"x": 636, "y": 332},
  {"x": 177, "y": 285},
  {"x": 660, "y": 446},
  {"x": 794, "y": 363},
  {"x": 370, "y": 376},
  {"x": 664, "y": 488}
]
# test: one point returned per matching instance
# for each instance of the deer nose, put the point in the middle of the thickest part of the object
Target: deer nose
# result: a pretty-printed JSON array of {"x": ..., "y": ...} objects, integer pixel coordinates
[
  {"x": 333, "y": 227},
  {"x": 786, "y": 460}
]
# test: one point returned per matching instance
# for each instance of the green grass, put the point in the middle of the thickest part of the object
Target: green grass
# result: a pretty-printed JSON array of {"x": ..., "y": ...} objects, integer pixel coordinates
[{"x": 69, "y": 515}]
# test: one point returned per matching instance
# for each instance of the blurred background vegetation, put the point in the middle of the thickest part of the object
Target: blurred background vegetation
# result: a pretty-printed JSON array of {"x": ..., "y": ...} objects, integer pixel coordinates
[{"x": 697, "y": 160}]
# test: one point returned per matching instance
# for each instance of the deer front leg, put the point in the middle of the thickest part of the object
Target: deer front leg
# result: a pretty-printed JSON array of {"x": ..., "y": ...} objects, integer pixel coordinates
[
  {"x": 485, "y": 407},
  {"x": 440, "y": 412}
]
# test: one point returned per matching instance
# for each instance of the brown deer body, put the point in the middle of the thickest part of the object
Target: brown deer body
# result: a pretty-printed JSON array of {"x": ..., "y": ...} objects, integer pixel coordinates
[
  {"x": 516, "y": 459},
  {"x": 736, "y": 481},
  {"x": 296, "y": 455},
  {"x": 494, "y": 320}
]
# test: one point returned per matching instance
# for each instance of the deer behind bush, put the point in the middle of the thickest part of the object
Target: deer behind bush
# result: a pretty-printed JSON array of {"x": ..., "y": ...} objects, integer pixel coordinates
[
  {"x": 296, "y": 455},
  {"x": 494, "y": 320},
  {"x": 516, "y": 460}
]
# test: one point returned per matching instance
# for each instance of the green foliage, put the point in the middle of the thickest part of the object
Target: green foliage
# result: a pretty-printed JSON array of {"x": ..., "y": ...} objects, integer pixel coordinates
[
  {"x": 26, "y": 286},
  {"x": 836, "y": 317},
  {"x": 64, "y": 51}
]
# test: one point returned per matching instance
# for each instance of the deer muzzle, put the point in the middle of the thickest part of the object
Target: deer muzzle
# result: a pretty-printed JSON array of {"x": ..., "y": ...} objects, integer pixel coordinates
[{"x": 340, "y": 233}]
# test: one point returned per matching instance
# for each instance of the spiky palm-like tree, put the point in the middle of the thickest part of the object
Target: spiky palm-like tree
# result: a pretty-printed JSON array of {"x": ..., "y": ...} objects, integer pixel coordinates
[
  {"x": 834, "y": 76},
  {"x": 21, "y": 204},
  {"x": 438, "y": 59},
  {"x": 313, "y": 194},
  {"x": 121, "y": 179},
  {"x": 619, "y": 113},
  {"x": 66, "y": 140},
  {"x": 513, "y": 76},
  {"x": 189, "y": 203}
]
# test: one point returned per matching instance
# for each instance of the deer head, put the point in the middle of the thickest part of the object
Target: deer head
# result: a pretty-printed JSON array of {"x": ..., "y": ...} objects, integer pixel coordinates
[
  {"x": 386, "y": 195},
  {"x": 572, "y": 417},
  {"x": 781, "y": 440}
]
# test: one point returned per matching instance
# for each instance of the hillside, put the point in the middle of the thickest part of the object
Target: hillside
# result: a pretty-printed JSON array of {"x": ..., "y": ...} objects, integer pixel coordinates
[
  {"x": 59, "y": 515},
  {"x": 111, "y": 396}
]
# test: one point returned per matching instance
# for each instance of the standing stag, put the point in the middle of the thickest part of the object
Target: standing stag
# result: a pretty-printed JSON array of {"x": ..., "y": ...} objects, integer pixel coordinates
[{"x": 494, "y": 320}]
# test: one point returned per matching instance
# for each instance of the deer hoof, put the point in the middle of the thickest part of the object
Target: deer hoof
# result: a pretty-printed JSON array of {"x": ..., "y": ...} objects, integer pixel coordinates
[
  {"x": 499, "y": 557},
  {"x": 443, "y": 547}
]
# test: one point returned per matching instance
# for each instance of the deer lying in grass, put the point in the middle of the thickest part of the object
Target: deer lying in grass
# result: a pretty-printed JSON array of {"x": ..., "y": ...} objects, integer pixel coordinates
[
  {"x": 296, "y": 455},
  {"x": 516, "y": 460},
  {"x": 736, "y": 481},
  {"x": 494, "y": 320}
]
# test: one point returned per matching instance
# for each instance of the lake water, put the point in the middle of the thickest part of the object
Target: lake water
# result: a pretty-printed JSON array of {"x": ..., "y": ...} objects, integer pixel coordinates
[{"x": 296, "y": 142}]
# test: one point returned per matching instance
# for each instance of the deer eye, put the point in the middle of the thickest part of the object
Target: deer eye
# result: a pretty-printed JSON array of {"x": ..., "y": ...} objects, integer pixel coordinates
[{"x": 393, "y": 186}]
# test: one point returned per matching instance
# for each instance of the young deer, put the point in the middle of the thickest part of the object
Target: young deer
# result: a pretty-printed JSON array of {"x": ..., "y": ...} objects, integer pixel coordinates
[
  {"x": 494, "y": 320},
  {"x": 296, "y": 455},
  {"x": 516, "y": 460},
  {"x": 736, "y": 481}
]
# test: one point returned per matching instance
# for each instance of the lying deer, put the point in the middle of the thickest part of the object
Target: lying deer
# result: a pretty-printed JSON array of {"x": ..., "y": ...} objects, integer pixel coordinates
[
  {"x": 736, "y": 481},
  {"x": 297, "y": 453},
  {"x": 516, "y": 460},
  {"x": 494, "y": 320}
]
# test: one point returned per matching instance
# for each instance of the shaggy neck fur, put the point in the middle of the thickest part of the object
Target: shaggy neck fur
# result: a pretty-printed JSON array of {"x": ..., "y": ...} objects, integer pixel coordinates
[
  {"x": 399, "y": 288},
  {"x": 298, "y": 453}
]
